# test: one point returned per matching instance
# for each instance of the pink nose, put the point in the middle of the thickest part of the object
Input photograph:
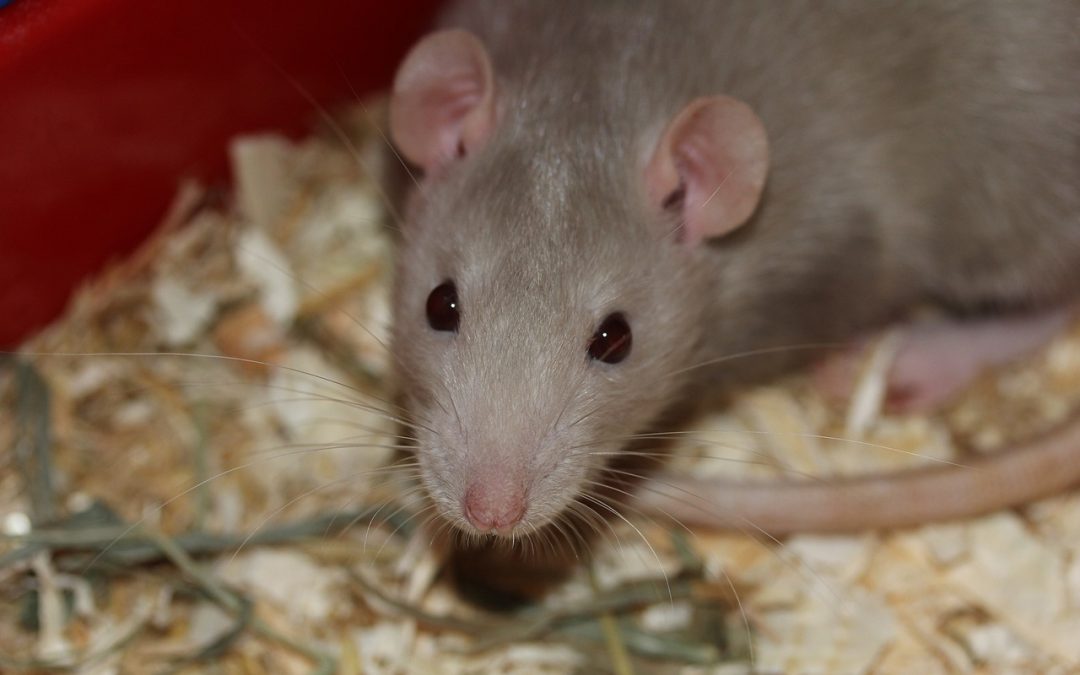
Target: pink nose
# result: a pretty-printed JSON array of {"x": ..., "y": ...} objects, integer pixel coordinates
[{"x": 490, "y": 509}]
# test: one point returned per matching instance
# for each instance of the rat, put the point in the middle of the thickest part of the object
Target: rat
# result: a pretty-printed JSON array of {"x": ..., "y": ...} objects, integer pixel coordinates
[{"x": 624, "y": 207}]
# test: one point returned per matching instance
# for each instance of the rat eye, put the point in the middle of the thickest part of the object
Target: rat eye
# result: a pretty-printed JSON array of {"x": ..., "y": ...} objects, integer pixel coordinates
[
  {"x": 611, "y": 341},
  {"x": 442, "y": 307}
]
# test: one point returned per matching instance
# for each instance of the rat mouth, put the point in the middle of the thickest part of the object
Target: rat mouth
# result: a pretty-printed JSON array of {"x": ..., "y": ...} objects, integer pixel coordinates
[
  {"x": 486, "y": 504},
  {"x": 456, "y": 524}
]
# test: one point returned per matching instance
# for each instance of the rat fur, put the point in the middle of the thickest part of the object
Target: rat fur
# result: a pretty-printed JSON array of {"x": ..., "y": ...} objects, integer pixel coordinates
[{"x": 917, "y": 151}]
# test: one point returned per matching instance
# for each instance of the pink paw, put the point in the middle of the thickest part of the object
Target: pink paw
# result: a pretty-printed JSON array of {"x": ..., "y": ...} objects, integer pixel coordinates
[{"x": 936, "y": 360}]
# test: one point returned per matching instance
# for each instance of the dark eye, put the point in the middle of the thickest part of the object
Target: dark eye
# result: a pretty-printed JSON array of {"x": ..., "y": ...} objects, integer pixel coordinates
[
  {"x": 611, "y": 341},
  {"x": 442, "y": 307}
]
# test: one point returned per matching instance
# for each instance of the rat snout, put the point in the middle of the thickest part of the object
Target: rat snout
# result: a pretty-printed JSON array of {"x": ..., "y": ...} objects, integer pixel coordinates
[{"x": 494, "y": 506}]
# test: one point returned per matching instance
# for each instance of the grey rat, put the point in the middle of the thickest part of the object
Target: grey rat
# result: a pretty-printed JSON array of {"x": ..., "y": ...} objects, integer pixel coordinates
[{"x": 618, "y": 198}]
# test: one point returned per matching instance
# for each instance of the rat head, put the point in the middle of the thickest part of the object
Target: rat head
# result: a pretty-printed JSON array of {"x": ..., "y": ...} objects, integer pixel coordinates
[{"x": 544, "y": 303}]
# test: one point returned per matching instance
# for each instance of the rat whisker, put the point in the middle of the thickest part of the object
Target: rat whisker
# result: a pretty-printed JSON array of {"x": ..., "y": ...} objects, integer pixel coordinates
[
  {"x": 382, "y": 134},
  {"x": 559, "y": 527},
  {"x": 588, "y": 517},
  {"x": 305, "y": 396},
  {"x": 652, "y": 484},
  {"x": 538, "y": 542},
  {"x": 607, "y": 485},
  {"x": 742, "y": 613},
  {"x": 547, "y": 542},
  {"x": 327, "y": 119},
  {"x": 398, "y": 528},
  {"x": 768, "y": 462},
  {"x": 571, "y": 395},
  {"x": 374, "y": 432},
  {"x": 577, "y": 542},
  {"x": 402, "y": 497},
  {"x": 599, "y": 501},
  {"x": 589, "y": 413},
  {"x": 801, "y": 566},
  {"x": 343, "y": 444},
  {"x": 808, "y": 346},
  {"x": 836, "y": 599},
  {"x": 587, "y": 506},
  {"x": 453, "y": 404},
  {"x": 314, "y": 394},
  {"x": 159, "y": 508},
  {"x": 575, "y": 522},
  {"x": 363, "y": 547},
  {"x": 323, "y": 399},
  {"x": 263, "y": 522},
  {"x": 192, "y": 355},
  {"x": 693, "y": 437},
  {"x": 445, "y": 528}
]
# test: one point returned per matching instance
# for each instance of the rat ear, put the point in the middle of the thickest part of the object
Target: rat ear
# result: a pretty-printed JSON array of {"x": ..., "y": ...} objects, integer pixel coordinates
[
  {"x": 443, "y": 101},
  {"x": 710, "y": 165}
]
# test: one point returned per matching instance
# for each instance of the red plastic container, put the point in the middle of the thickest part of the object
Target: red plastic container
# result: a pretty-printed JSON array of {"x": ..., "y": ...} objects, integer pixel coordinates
[{"x": 106, "y": 104}]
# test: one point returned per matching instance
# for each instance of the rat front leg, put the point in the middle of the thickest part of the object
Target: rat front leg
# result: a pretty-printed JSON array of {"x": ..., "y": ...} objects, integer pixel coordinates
[{"x": 937, "y": 359}]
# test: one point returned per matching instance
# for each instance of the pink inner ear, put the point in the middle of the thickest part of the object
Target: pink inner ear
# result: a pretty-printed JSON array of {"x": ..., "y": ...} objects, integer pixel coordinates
[
  {"x": 711, "y": 164},
  {"x": 443, "y": 101}
]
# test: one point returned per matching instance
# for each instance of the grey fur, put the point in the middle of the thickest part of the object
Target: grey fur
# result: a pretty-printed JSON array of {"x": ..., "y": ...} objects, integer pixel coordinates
[{"x": 920, "y": 150}]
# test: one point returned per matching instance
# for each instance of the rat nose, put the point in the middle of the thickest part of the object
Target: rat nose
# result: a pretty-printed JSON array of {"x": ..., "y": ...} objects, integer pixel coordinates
[{"x": 494, "y": 508}]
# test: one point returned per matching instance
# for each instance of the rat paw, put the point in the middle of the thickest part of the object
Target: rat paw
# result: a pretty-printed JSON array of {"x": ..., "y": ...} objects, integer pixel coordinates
[
  {"x": 928, "y": 373},
  {"x": 919, "y": 379},
  {"x": 936, "y": 360},
  {"x": 836, "y": 376}
]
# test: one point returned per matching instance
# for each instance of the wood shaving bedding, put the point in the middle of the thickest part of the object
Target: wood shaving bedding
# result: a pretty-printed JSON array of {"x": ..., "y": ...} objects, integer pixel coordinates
[{"x": 292, "y": 280}]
